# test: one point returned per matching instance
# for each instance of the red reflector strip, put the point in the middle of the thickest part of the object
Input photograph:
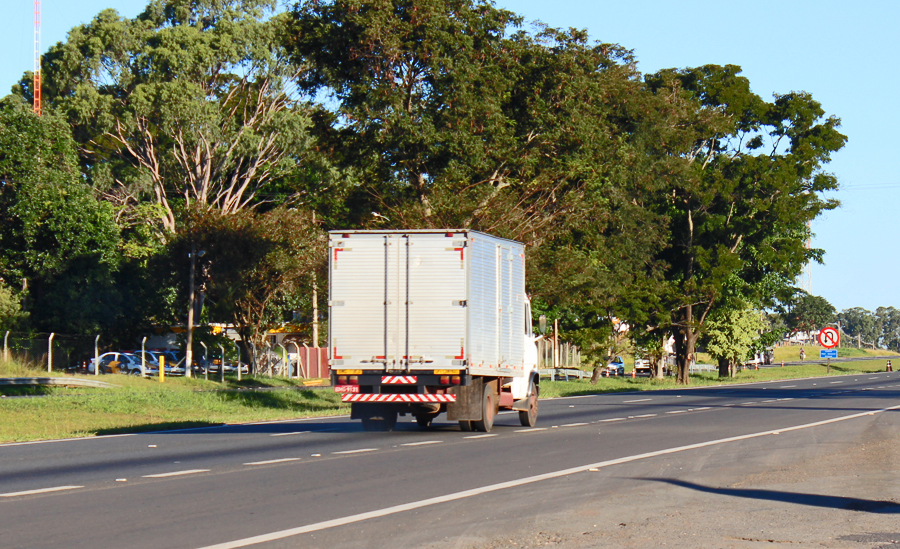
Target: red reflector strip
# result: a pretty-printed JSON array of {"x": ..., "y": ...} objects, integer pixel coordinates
[
  {"x": 398, "y": 398},
  {"x": 398, "y": 380}
]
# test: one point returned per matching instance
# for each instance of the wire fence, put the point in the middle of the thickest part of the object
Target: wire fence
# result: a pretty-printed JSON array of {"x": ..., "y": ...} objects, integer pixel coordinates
[{"x": 59, "y": 352}]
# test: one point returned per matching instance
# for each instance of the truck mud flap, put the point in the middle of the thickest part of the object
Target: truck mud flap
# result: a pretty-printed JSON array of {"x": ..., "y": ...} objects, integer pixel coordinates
[{"x": 468, "y": 401}]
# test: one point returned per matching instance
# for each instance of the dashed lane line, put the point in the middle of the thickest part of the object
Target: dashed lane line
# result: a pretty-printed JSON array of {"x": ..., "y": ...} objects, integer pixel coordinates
[
  {"x": 360, "y": 451},
  {"x": 574, "y": 424},
  {"x": 480, "y": 436},
  {"x": 645, "y": 415},
  {"x": 677, "y": 412},
  {"x": 638, "y": 400},
  {"x": 289, "y": 434},
  {"x": 424, "y": 442},
  {"x": 177, "y": 473},
  {"x": 612, "y": 419},
  {"x": 271, "y": 461},
  {"x": 532, "y": 430},
  {"x": 38, "y": 491}
]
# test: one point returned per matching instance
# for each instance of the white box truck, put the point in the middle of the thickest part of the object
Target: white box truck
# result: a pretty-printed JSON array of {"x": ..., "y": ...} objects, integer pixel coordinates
[{"x": 429, "y": 321}]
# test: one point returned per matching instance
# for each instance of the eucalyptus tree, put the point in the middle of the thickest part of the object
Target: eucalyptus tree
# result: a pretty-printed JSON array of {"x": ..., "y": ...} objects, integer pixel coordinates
[{"x": 187, "y": 104}]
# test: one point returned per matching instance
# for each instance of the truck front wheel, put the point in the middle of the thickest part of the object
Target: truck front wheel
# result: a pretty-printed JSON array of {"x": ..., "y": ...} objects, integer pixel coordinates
[
  {"x": 488, "y": 410},
  {"x": 528, "y": 418}
]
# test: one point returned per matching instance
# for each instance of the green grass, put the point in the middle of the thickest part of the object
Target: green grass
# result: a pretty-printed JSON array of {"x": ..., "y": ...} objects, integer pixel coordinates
[
  {"x": 139, "y": 404},
  {"x": 551, "y": 389}
]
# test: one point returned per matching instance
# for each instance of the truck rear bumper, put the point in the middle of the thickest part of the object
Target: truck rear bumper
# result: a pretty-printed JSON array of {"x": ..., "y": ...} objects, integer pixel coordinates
[{"x": 397, "y": 398}]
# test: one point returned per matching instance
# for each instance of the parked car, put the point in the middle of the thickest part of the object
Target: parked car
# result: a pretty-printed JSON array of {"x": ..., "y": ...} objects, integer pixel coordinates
[
  {"x": 174, "y": 363},
  {"x": 212, "y": 366},
  {"x": 616, "y": 367},
  {"x": 116, "y": 363},
  {"x": 642, "y": 367}
]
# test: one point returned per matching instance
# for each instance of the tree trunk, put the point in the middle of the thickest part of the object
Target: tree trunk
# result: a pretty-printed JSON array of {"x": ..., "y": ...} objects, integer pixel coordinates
[
  {"x": 685, "y": 343},
  {"x": 724, "y": 367}
]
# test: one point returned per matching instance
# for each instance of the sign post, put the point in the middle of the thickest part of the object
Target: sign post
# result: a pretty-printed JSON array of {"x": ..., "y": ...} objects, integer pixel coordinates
[{"x": 829, "y": 338}]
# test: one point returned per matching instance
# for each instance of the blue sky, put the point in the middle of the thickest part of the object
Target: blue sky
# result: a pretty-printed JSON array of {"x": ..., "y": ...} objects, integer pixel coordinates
[{"x": 845, "y": 54}]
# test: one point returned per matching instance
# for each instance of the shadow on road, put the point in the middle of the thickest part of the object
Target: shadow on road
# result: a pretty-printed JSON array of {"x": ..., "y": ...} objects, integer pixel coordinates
[{"x": 813, "y": 500}]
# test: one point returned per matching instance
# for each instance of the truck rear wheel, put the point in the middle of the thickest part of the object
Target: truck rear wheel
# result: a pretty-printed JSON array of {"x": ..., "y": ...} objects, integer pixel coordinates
[
  {"x": 488, "y": 410},
  {"x": 528, "y": 418},
  {"x": 465, "y": 425},
  {"x": 379, "y": 419}
]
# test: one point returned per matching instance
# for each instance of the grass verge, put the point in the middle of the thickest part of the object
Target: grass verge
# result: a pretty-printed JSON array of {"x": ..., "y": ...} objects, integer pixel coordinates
[
  {"x": 139, "y": 404},
  {"x": 576, "y": 387}
]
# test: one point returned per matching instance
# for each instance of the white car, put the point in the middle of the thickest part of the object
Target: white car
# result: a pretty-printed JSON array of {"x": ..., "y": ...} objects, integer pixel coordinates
[{"x": 113, "y": 362}]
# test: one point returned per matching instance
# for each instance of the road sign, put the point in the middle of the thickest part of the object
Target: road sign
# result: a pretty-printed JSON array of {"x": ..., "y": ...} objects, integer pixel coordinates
[
  {"x": 829, "y": 337},
  {"x": 828, "y": 353}
]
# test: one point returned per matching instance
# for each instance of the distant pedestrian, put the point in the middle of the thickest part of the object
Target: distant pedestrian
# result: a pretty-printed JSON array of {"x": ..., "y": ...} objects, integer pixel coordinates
[{"x": 802, "y": 354}]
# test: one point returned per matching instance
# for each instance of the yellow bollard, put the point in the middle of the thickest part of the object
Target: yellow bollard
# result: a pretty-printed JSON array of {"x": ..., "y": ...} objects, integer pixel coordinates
[{"x": 162, "y": 368}]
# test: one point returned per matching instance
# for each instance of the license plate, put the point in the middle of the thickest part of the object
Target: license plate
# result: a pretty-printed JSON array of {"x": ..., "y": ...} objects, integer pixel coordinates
[{"x": 346, "y": 388}]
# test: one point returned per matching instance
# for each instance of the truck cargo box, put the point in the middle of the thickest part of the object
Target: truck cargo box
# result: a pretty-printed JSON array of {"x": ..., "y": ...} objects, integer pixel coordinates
[{"x": 422, "y": 300}]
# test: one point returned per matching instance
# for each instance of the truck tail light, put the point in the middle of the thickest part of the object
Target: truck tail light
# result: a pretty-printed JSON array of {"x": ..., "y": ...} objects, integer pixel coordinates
[
  {"x": 445, "y": 380},
  {"x": 455, "y": 380},
  {"x": 353, "y": 380},
  {"x": 341, "y": 380}
]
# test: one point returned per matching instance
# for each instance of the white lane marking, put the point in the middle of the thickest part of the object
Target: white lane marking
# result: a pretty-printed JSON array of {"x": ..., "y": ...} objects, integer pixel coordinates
[
  {"x": 177, "y": 473},
  {"x": 289, "y": 434},
  {"x": 422, "y": 443},
  {"x": 835, "y": 382},
  {"x": 747, "y": 403},
  {"x": 784, "y": 399},
  {"x": 612, "y": 419},
  {"x": 770, "y": 400},
  {"x": 361, "y": 450},
  {"x": 573, "y": 424},
  {"x": 726, "y": 405},
  {"x": 480, "y": 436},
  {"x": 39, "y": 491},
  {"x": 646, "y": 415},
  {"x": 638, "y": 400},
  {"x": 704, "y": 408},
  {"x": 677, "y": 412},
  {"x": 270, "y": 461},
  {"x": 876, "y": 377},
  {"x": 351, "y": 519},
  {"x": 532, "y": 430},
  {"x": 786, "y": 386}
]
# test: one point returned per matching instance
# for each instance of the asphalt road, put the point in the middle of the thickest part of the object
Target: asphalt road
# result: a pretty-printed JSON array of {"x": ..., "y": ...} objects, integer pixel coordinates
[{"x": 326, "y": 483}]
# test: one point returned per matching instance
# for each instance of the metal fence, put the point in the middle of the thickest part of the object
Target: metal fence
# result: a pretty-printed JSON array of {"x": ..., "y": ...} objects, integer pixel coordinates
[
  {"x": 557, "y": 355},
  {"x": 50, "y": 350}
]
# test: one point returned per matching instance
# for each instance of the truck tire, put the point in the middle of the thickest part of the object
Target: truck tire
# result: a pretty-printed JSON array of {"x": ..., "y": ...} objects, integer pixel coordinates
[
  {"x": 528, "y": 418},
  {"x": 380, "y": 419},
  {"x": 488, "y": 411},
  {"x": 465, "y": 425}
]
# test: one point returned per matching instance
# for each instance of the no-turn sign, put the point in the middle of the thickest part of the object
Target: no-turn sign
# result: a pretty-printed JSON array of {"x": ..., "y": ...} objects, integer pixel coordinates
[{"x": 829, "y": 337}]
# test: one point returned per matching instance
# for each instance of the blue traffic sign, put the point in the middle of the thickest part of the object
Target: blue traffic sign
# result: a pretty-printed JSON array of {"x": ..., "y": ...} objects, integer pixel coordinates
[{"x": 828, "y": 353}]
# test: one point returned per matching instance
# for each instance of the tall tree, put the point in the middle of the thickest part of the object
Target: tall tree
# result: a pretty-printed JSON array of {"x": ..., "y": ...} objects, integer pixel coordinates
[
  {"x": 810, "y": 313},
  {"x": 744, "y": 178},
  {"x": 57, "y": 243},
  {"x": 253, "y": 267},
  {"x": 190, "y": 103}
]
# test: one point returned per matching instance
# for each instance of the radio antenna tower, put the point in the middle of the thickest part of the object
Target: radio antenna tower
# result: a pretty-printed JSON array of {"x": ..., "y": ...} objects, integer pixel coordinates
[
  {"x": 806, "y": 276},
  {"x": 36, "y": 75}
]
